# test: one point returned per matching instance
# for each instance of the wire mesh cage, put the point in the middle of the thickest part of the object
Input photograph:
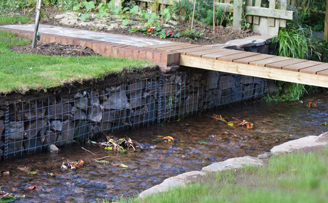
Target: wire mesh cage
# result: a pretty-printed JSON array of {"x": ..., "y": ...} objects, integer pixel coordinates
[{"x": 31, "y": 125}]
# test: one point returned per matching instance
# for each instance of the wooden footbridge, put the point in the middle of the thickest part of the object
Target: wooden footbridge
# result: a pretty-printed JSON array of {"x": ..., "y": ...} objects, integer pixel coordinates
[
  {"x": 250, "y": 64},
  {"x": 170, "y": 53}
]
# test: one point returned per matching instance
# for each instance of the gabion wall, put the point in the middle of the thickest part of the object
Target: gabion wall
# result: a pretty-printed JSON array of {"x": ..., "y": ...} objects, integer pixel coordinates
[{"x": 30, "y": 126}]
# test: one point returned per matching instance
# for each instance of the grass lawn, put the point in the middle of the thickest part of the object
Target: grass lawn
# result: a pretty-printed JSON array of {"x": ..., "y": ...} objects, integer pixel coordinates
[
  {"x": 21, "y": 72},
  {"x": 13, "y": 19},
  {"x": 297, "y": 177}
]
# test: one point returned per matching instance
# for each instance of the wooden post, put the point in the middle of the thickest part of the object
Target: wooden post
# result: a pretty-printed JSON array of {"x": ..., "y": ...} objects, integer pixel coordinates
[
  {"x": 162, "y": 12},
  {"x": 293, "y": 2},
  {"x": 37, "y": 20},
  {"x": 326, "y": 22},
  {"x": 193, "y": 15},
  {"x": 214, "y": 16},
  {"x": 237, "y": 14}
]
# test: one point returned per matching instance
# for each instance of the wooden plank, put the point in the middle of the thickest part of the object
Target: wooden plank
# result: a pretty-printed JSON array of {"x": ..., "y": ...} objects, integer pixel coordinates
[
  {"x": 287, "y": 62},
  {"x": 190, "y": 49},
  {"x": 203, "y": 52},
  {"x": 264, "y": 62},
  {"x": 271, "y": 21},
  {"x": 175, "y": 48},
  {"x": 232, "y": 57},
  {"x": 237, "y": 14},
  {"x": 315, "y": 69},
  {"x": 224, "y": 53},
  {"x": 268, "y": 12},
  {"x": 249, "y": 18},
  {"x": 256, "y": 19},
  {"x": 282, "y": 6},
  {"x": 247, "y": 60},
  {"x": 297, "y": 67},
  {"x": 255, "y": 71}
]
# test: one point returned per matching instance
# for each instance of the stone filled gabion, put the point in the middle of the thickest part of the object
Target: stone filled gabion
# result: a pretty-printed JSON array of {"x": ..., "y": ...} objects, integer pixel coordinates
[{"x": 67, "y": 118}]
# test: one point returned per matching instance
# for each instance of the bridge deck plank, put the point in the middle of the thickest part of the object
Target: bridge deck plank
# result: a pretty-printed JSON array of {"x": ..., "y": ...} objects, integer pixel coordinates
[
  {"x": 315, "y": 69},
  {"x": 203, "y": 52},
  {"x": 220, "y": 54},
  {"x": 264, "y": 62},
  {"x": 247, "y": 60},
  {"x": 284, "y": 63},
  {"x": 236, "y": 56},
  {"x": 297, "y": 67}
]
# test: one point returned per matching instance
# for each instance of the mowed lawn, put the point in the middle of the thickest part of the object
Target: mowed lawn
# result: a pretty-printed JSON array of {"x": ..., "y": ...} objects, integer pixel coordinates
[{"x": 21, "y": 72}]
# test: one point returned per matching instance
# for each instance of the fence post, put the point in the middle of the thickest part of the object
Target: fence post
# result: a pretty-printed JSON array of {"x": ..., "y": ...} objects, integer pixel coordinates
[
  {"x": 326, "y": 22},
  {"x": 237, "y": 14},
  {"x": 37, "y": 20}
]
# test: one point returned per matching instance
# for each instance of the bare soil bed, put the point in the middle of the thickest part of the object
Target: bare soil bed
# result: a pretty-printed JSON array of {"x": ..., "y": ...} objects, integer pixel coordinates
[{"x": 54, "y": 49}]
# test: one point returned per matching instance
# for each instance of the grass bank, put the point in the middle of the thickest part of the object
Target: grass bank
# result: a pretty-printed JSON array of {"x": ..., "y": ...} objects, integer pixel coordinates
[
  {"x": 296, "y": 177},
  {"x": 21, "y": 72}
]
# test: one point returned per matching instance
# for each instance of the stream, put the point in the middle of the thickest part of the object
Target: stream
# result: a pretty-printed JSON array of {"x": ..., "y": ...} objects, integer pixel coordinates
[{"x": 199, "y": 141}]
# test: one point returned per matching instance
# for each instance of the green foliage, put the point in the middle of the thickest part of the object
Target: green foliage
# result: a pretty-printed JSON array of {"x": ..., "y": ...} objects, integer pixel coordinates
[
  {"x": 203, "y": 11},
  {"x": 291, "y": 43},
  {"x": 85, "y": 16},
  {"x": 134, "y": 10},
  {"x": 149, "y": 17},
  {"x": 167, "y": 14},
  {"x": 14, "y": 19},
  {"x": 89, "y": 5},
  {"x": 306, "y": 13},
  {"x": 102, "y": 10},
  {"x": 192, "y": 34}
]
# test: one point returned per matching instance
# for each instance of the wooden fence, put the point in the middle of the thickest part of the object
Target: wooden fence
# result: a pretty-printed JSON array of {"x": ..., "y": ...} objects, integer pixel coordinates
[{"x": 265, "y": 17}]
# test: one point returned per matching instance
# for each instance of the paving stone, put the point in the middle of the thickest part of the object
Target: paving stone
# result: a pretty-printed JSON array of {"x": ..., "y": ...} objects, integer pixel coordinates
[
  {"x": 233, "y": 163},
  {"x": 308, "y": 141}
]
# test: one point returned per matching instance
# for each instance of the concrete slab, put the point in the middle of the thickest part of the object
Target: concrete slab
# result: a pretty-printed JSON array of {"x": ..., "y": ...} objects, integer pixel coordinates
[{"x": 87, "y": 34}]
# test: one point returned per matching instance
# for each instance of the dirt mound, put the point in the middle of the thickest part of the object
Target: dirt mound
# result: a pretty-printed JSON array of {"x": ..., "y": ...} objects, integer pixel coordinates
[{"x": 54, "y": 49}]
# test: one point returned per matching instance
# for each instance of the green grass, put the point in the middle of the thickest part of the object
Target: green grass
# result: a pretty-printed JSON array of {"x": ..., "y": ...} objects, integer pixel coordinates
[
  {"x": 21, "y": 72},
  {"x": 295, "y": 177},
  {"x": 13, "y": 20}
]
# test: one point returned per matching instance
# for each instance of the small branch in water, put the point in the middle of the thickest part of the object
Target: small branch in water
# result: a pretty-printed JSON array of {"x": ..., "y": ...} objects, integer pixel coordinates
[
  {"x": 88, "y": 151},
  {"x": 102, "y": 157}
]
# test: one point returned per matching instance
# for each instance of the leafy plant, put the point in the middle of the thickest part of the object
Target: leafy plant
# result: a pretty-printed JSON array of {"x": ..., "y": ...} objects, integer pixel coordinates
[
  {"x": 192, "y": 34},
  {"x": 89, "y": 5},
  {"x": 102, "y": 10},
  {"x": 85, "y": 16}
]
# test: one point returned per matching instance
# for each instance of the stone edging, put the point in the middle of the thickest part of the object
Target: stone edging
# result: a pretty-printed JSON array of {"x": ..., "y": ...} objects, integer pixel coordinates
[
  {"x": 164, "y": 59},
  {"x": 239, "y": 162}
]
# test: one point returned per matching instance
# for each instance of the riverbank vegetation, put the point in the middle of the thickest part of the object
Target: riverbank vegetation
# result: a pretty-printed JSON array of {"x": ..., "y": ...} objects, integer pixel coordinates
[
  {"x": 294, "y": 177},
  {"x": 298, "y": 40}
]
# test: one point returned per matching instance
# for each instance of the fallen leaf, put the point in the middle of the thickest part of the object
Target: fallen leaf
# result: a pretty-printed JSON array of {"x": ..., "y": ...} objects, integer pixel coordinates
[
  {"x": 168, "y": 139},
  {"x": 24, "y": 169},
  {"x": 312, "y": 105},
  {"x": 35, "y": 187},
  {"x": 202, "y": 142}
]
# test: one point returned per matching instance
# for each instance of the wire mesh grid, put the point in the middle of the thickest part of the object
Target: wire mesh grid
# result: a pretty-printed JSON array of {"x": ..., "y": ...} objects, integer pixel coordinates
[{"x": 31, "y": 126}]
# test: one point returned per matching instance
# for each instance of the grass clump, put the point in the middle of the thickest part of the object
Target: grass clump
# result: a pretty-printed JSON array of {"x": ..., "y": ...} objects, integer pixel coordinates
[
  {"x": 12, "y": 20},
  {"x": 21, "y": 72},
  {"x": 294, "y": 177}
]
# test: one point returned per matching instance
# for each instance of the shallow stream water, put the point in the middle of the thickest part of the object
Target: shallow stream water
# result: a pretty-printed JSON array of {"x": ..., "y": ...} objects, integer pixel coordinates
[{"x": 200, "y": 141}]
